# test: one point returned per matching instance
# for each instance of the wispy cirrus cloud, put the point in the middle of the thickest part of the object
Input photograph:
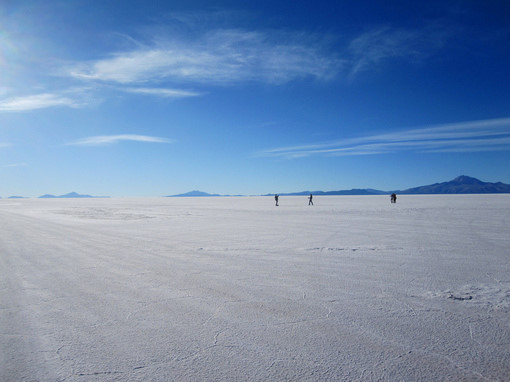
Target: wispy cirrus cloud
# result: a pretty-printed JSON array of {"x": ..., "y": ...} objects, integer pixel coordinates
[
  {"x": 473, "y": 136},
  {"x": 218, "y": 57},
  {"x": 36, "y": 101},
  {"x": 73, "y": 97},
  {"x": 228, "y": 56},
  {"x": 103, "y": 140},
  {"x": 163, "y": 92}
]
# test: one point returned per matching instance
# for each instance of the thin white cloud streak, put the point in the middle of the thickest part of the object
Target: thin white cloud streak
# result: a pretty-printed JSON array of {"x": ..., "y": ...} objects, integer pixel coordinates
[
  {"x": 220, "y": 57},
  {"x": 161, "y": 92},
  {"x": 80, "y": 97},
  {"x": 484, "y": 135},
  {"x": 74, "y": 97},
  {"x": 37, "y": 101},
  {"x": 103, "y": 140}
]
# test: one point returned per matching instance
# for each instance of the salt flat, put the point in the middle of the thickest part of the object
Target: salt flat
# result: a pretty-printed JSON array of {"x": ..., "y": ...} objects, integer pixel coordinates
[{"x": 236, "y": 289}]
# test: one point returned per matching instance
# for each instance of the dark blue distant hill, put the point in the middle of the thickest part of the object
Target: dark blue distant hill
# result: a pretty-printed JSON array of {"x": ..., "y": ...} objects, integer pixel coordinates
[
  {"x": 354, "y": 191},
  {"x": 69, "y": 195},
  {"x": 196, "y": 194},
  {"x": 461, "y": 185},
  {"x": 193, "y": 194}
]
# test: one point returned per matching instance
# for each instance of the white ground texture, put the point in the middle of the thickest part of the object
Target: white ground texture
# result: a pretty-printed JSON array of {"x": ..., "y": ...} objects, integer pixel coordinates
[{"x": 237, "y": 289}]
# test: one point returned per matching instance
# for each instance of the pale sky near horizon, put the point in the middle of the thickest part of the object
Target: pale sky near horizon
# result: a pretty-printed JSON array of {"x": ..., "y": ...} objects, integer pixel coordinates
[{"x": 152, "y": 98}]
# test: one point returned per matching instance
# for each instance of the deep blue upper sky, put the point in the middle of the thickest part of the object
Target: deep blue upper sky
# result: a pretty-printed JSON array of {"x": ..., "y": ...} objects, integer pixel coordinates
[{"x": 149, "y": 98}]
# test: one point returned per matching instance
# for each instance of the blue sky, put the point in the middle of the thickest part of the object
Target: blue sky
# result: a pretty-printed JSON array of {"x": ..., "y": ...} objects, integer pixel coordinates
[{"x": 152, "y": 98}]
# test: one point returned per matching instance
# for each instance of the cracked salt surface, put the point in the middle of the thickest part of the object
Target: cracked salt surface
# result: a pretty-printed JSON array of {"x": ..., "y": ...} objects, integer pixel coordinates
[{"x": 353, "y": 288}]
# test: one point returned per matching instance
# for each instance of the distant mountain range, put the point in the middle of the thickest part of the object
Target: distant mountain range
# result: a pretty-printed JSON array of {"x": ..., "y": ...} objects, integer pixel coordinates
[
  {"x": 195, "y": 194},
  {"x": 69, "y": 195},
  {"x": 49, "y": 196},
  {"x": 354, "y": 191},
  {"x": 461, "y": 185}
]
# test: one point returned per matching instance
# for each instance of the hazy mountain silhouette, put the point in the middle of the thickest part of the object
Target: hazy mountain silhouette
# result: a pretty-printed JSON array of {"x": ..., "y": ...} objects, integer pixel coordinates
[
  {"x": 194, "y": 193},
  {"x": 69, "y": 195},
  {"x": 354, "y": 191},
  {"x": 461, "y": 185}
]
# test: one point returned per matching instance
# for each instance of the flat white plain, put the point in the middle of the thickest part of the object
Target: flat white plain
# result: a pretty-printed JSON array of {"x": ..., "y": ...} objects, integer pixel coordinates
[{"x": 237, "y": 289}]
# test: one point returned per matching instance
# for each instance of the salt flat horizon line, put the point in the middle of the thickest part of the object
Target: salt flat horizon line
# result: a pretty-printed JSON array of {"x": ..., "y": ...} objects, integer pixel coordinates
[{"x": 460, "y": 185}]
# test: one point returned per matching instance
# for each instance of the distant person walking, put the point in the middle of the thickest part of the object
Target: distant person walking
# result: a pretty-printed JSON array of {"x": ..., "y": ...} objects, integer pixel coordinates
[
  {"x": 393, "y": 198},
  {"x": 276, "y": 199},
  {"x": 310, "y": 201}
]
